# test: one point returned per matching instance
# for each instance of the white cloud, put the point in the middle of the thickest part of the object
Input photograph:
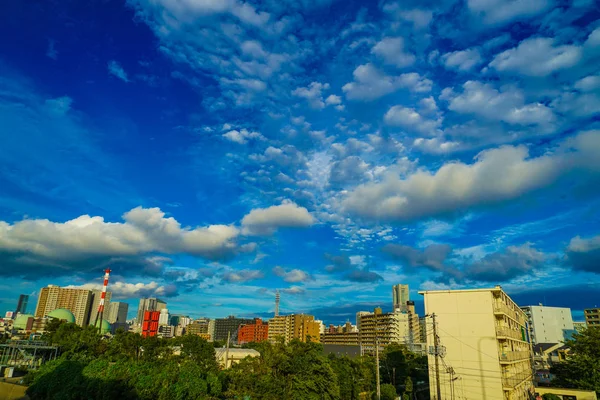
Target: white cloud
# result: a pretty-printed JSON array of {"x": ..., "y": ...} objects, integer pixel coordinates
[
  {"x": 588, "y": 84},
  {"x": 241, "y": 276},
  {"x": 371, "y": 83},
  {"x": 265, "y": 221},
  {"x": 313, "y": 94},
  {"x": 292, "y": 276},
  {"x": 497, "y": 175},
  {"x": 114, "y": 68},
  {"x": 126, "y": 290},
  {"x": 409, "y": 118},
  {"x": 333, "y": 99},
  {"x": 242, "y": 136},
  {"x": 494, "y": 12},
  {"x": 462, "y": 60},
  {"x": 507, "y": 104},
  {"x": 391, "y": 49},
  {"x": 537, "y": 57},
  {"x": 435, "y": 145},
  {"x": 145, "y": 230}
]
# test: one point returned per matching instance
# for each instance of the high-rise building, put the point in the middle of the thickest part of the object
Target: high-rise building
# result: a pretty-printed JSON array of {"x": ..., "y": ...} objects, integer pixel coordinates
[
  {"x": 22, "y": 304},
  {"x": 228, "y": 326},
  {"x": 414, "y": 327},
  {"x": 548, "y": 324},
  {"x": 78, "y": 301},
  {"x": 164, "y": 317},
  {"x": 400, "y": 296},
  {"x": 254, "y": 332},
  {"x": 150, "y": 323},
  {"x": 149, "y": 304},
  {"x": 592, "y": 316},
  {"x": 117, "y": 312},
  {"x": 481, "y": 345},
  {"x": 96, "y": 296},
  {"x": 294, "y": 326},
  {"x": 382, "y": 329}
]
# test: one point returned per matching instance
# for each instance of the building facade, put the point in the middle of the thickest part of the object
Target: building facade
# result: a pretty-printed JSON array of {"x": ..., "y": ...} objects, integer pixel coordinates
[
  {"x": 548, "y": 324},
  {"x": 200, "y": 327},
  {"x": 117, "y": 312},
  {"x": 22, "y": 304},
  {"x": 255, "y": 332},
  {"x": 96, "y": 295},
  {"x": 149, "y": 304},
  {"x": 400, "y": 295},
  {"x": 295, "y": 326},
  {"x": 592, "y": 316},
  {"x": 164, "y": 317},
  {"x": 229, "y": 326},
  {"x": 78, "y": 301},
  {"x": 150, "y": 323},
  {"x": 340, "y": 338},
  {"x": 382, "y": 329},
  {"x": 483, "y": 340}
]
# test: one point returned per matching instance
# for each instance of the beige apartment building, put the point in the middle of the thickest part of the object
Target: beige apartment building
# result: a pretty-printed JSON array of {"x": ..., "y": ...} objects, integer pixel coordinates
[
  {"x": 483, "y": 348},
  {"x": 592, "y": 316},
  {"x": 294, "y": 326},
  {"x": 78, "y": 301},
  {"x": 383, "y": 329}
]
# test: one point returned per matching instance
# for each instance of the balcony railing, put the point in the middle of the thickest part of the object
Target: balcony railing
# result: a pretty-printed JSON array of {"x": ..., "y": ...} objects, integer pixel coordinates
[
  {"x": 511, "y": 333},
  {"x": 514, "y": 380},
  {"x": 503, "y": 308},
  {"x": 510, "y": 356}
]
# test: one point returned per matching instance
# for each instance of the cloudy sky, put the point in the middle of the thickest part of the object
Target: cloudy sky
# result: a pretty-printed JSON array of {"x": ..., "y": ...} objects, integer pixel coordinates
[{"x": 212, "y": 151}]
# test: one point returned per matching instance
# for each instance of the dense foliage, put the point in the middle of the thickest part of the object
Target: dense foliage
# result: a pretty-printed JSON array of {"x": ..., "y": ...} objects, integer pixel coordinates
[
  {"x": 128, "y": 366},
  {"x": 581, "y": 370}
]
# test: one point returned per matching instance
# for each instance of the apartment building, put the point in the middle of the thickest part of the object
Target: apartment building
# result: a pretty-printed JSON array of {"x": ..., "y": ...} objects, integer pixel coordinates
[
  {"x": 592, "y": 316},
  {"x": 482, "y": 338},
  {"x": 548, "y": 324},
  {"x": 341, "y": 338},
  {"x": 78, "y": 301},
  {"x": 383, "y": 329},
  {"x": 228, "y": 326},
  {"x": 255, "y": 332},
  {"x": 294, "y": 326}
]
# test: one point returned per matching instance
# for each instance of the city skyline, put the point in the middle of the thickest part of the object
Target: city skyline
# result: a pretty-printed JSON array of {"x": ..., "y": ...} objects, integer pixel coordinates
[{"x": 211, "y": 155}]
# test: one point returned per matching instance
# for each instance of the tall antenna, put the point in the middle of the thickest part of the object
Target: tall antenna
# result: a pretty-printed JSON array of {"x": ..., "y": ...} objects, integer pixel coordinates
[
  {"x": 277, "y": 297},
  {"x": 100, "y": 313}
]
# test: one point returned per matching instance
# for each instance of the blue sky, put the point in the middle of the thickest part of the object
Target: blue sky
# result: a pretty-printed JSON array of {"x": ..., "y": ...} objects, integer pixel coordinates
[{"x": 211, "y": 152}]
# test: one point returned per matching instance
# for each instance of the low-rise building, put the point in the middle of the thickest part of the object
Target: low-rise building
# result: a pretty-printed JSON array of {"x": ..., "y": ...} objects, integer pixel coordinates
[
  {"x": 255, "y": 332},
  {"x": 592, "y": 316}
]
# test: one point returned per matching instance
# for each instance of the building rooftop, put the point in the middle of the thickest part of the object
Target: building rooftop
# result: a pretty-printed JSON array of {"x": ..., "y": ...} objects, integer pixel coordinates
[{"x": 494, "y": 289}]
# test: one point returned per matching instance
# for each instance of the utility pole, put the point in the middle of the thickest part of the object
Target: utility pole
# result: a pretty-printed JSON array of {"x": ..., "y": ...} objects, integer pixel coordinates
[
  {"x": 377, "y": 358},
  {"x": 227, "y": 349},
  {"x": 436, "y": 345}
]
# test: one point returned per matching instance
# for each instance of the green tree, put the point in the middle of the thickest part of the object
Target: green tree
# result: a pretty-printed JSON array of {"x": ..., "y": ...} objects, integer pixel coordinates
[
  {"x": 199, "y": 350},
  {"x": 581, "y": 370},
  {"x": 388, "y": 392}
]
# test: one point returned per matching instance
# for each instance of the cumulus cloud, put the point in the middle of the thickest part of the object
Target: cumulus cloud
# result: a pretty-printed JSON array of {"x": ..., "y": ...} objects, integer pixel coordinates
[
  {"x": 392, "y": 51},
  {"x": 294, "y": 290},
  {"x": 583, "y": 254},
  {"x": 507, "y": 104},
  {"x": 265, "y": 221},
  {"x": 496, "y": 175},
  {"x": 124, "y": 290},
  {"x": 88, "y": 243},
  {"x": 352, "y": 268},
  {"x": 463, "y": 60},
  {"x": 493, "y": 12},
  {"x": 432, "y": 257},
  {"x": 410, "y": 119},
  {"x": 242, "y": 136},
  {"x": 333, "y": 99},
  {"x": 313, "y": 94},
  {"x": 114, "y": 68},
  {"x": 537, "y": 57},
  {"x": 371, "y": 83},
  {"x": 292, "y": 276},
  {"x": 241, "y": 276}
]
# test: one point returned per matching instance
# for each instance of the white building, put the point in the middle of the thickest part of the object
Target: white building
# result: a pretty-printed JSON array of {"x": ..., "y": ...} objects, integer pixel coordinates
[
  {"x": 383, "y": 329},
  {"x": 482, "y": 338},
  {"x": 163, "y": 319},
  {"x": 547, "y": 324}
]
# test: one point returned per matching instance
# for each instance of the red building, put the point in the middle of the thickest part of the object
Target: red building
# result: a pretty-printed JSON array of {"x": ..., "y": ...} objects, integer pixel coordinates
[
  {"x": 256, "y": 332},
  {"x": 150, "y": 324}
]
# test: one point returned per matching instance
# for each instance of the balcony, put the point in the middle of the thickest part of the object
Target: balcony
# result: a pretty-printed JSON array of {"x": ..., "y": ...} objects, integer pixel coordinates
[
  {"x": 501, "y": 308},
  {"x": 510, "y": 382},
  {"x": 512, "y": 356},
  {"x": 509, "y": 333}
]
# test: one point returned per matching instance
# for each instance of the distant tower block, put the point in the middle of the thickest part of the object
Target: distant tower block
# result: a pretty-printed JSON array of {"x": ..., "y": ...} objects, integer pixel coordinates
[
  {"x": 277, "y": 297},
  {"x": 102, "y": 296}
]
